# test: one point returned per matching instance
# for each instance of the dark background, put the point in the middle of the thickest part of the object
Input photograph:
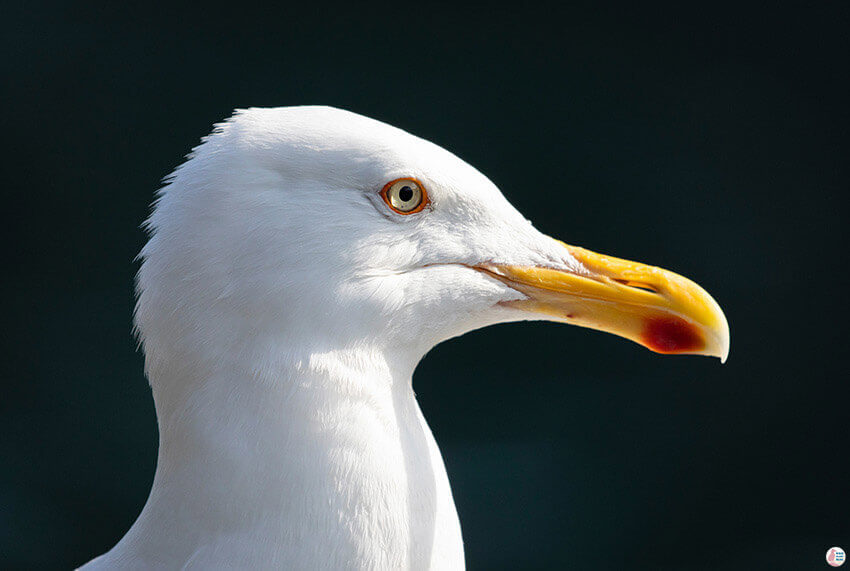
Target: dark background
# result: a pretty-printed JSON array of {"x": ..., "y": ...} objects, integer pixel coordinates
[{"x": 708, "y": 139}]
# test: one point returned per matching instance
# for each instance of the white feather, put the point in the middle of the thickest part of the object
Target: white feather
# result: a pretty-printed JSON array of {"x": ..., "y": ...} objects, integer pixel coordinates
[{"x": 282, "y": 308}]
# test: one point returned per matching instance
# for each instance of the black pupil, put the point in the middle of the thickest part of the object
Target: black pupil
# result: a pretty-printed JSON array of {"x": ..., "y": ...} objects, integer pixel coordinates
[{"x": 405, "y": 193}]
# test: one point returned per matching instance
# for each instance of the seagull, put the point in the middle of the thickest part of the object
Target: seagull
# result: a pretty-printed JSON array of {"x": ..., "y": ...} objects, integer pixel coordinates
[{"x": 300, "y": 263}]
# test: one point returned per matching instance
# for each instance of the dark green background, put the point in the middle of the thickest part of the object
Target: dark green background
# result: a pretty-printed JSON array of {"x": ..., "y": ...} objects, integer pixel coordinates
[{"x": 708, "y": 139}]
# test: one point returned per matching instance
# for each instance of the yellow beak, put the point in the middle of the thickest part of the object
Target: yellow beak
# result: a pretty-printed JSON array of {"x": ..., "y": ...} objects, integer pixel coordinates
[{"x": 662, "y": 311}]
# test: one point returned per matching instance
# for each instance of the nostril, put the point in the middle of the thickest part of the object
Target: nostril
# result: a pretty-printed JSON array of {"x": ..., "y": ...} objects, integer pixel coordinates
[{"x": 637, "y": 285}]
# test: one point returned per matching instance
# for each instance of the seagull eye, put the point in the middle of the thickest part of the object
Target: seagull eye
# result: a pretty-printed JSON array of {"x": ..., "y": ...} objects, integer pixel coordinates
[{"x": 405, "y": 195}]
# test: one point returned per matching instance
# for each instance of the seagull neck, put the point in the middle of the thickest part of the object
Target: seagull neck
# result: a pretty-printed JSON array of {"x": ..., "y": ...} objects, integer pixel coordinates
[
  {"x": 303, "y": 448},
  {"x": 323, "y": 437},
  {"x": 271, "y": 399}
]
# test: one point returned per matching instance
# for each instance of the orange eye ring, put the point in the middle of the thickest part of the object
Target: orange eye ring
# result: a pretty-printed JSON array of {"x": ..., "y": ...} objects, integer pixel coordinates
[{"x": 405, "y": 196}]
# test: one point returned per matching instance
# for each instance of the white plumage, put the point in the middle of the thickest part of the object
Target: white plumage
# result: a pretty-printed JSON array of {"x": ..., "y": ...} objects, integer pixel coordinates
[{"x": 282, "y": 308}]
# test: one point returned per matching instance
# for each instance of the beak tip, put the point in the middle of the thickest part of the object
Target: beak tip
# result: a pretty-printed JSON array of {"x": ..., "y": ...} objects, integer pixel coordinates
[
  {"x": 722, "y": 336},
  {"x": 724, "y": 355}
]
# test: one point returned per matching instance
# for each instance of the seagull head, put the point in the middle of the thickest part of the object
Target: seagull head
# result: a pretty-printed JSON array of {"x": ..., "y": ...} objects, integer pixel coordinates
[{"x": 313, "y": 227}]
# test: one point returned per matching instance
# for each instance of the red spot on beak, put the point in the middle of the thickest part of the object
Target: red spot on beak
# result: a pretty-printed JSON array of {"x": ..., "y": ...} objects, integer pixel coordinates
[{"x": 672, "y": 335}]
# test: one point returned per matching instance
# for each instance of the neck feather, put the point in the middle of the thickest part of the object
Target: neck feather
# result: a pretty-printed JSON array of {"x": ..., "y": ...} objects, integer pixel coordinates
[{"x": 295, "y": 447}]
